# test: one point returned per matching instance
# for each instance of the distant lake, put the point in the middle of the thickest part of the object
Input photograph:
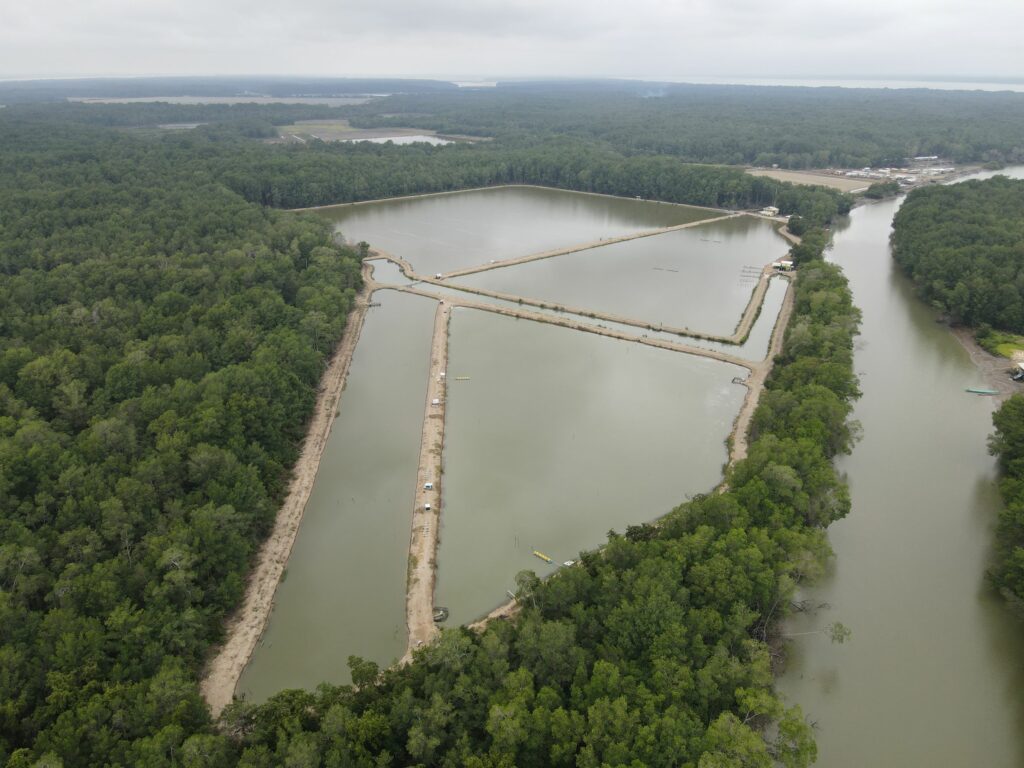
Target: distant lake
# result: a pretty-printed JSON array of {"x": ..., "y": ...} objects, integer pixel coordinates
[
  {"x": 939, "y": 85},
  {"x": 415, "y": 139}
]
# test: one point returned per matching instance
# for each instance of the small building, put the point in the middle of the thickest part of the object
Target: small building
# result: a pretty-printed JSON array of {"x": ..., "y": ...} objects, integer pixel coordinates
[
  {"x": 769, "y": 210},
  {"x": 784, "y": 265}
]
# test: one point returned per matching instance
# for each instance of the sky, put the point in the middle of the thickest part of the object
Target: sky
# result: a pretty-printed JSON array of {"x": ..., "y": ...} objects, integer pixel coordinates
[{"x": 651, "y": 39}]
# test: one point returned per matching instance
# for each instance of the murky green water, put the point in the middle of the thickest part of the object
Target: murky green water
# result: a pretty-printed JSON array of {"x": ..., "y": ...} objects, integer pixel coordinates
[
  {"x": 559, "y": 436},
  {"x": 344, "y": 592},
  {"x": 699, "y": 278},
  {"x": 934, "y": 672},
  {"x": 445, "y": 232}
]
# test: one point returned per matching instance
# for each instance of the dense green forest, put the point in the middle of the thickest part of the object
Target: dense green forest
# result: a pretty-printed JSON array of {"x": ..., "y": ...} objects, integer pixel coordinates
[
  {"x": 793, "y": 127},
  {"x": 320, "y": 173},
  {"x": 161, "y": 343},
  {"x": 963, "y": 245},
  {"x": 1008, "y": 444},
  {"x": 324, "y": 173}
]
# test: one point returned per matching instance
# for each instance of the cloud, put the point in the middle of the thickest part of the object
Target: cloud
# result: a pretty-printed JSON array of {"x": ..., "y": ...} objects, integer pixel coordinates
[{"x": 638, "y": 38}]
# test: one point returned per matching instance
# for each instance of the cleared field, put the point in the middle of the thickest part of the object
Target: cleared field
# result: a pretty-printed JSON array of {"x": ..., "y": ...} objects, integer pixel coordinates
[
  {"x": 809, "y": 177},
  {"x": 340, "y": 130}
]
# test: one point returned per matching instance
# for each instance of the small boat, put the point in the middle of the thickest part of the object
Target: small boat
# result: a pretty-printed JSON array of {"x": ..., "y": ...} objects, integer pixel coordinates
[
  {"x": 982, "y": 391},
  {"x": 542, "y": 556},
  {"x": 440, "y": 614},
  {"x": 569, "y": 563}
]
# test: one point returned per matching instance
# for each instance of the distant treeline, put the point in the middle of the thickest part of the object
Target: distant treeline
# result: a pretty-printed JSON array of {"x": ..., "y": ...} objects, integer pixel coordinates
[
  {"x": 161, "y": 346},
  {"x": 18, "y": 91},
  {"x": 793, "y": 127},
  {"x": 247, "y": 120},
  {"x": 320, "y": 173},
  {"x": 1008, "y": 444},
  {"x": 963, "y": 246}
]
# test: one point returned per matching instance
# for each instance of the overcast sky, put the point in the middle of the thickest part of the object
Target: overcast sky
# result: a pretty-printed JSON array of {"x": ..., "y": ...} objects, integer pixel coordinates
[{"x": 656, "y": 39}]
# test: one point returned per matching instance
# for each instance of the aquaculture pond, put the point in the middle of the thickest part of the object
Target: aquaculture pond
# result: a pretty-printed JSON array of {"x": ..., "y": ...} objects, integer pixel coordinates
[
  {"x": 344, "y": 590},
  {"x": 554, "y": 437},
  {"x": 439, "y": 233},
  {"x": 699, "y": 278}
]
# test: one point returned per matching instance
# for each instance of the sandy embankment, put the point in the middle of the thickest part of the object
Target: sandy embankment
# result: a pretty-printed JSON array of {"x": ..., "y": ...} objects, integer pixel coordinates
[
  {"x": 426, "y": 524},
  {"x": 246, "y": 626},
  {"x": 994, "y": 369}
]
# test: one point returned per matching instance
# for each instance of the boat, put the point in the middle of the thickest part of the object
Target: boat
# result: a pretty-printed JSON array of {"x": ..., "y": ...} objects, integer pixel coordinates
[
  {"x": 569, "y": 563},
  {"x": 982, "y": 391},
  {"x": 440, "y": 614},
  {"x": 542, "y": 556}
]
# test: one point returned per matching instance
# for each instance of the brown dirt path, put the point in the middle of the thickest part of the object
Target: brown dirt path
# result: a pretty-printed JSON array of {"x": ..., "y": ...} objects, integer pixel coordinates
[
  {"x": 758, "y": 376},
  {"x": 738, "y": 336},
  {"x": 419, "y": 599},
  {"x": 542, "y": 317},
  {"x": 244, "y": 629}
]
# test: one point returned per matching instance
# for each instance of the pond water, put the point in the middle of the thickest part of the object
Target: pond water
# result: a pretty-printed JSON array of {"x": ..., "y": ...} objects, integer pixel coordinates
[
  {"x": 700, "y": 279},
  {"x": 559, "y": 436},
  {"x": 402, "y": 140},
  {"x": 440, "y": 233},
  {"x": 344, "y": 591}
]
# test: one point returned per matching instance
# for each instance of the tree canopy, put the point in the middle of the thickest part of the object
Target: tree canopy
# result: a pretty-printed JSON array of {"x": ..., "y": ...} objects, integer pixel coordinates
[
  {"x": 1008, "y": 444},
  {"x": 963, "y": 245}
]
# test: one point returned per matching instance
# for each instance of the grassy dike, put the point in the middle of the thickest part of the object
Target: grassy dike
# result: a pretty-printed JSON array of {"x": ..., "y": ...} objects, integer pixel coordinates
[{"x": 655, "y": 650}]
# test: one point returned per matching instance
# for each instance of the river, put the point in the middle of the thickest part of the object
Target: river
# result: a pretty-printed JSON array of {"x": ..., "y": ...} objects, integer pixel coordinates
[{"x": 934, "y": 671}]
